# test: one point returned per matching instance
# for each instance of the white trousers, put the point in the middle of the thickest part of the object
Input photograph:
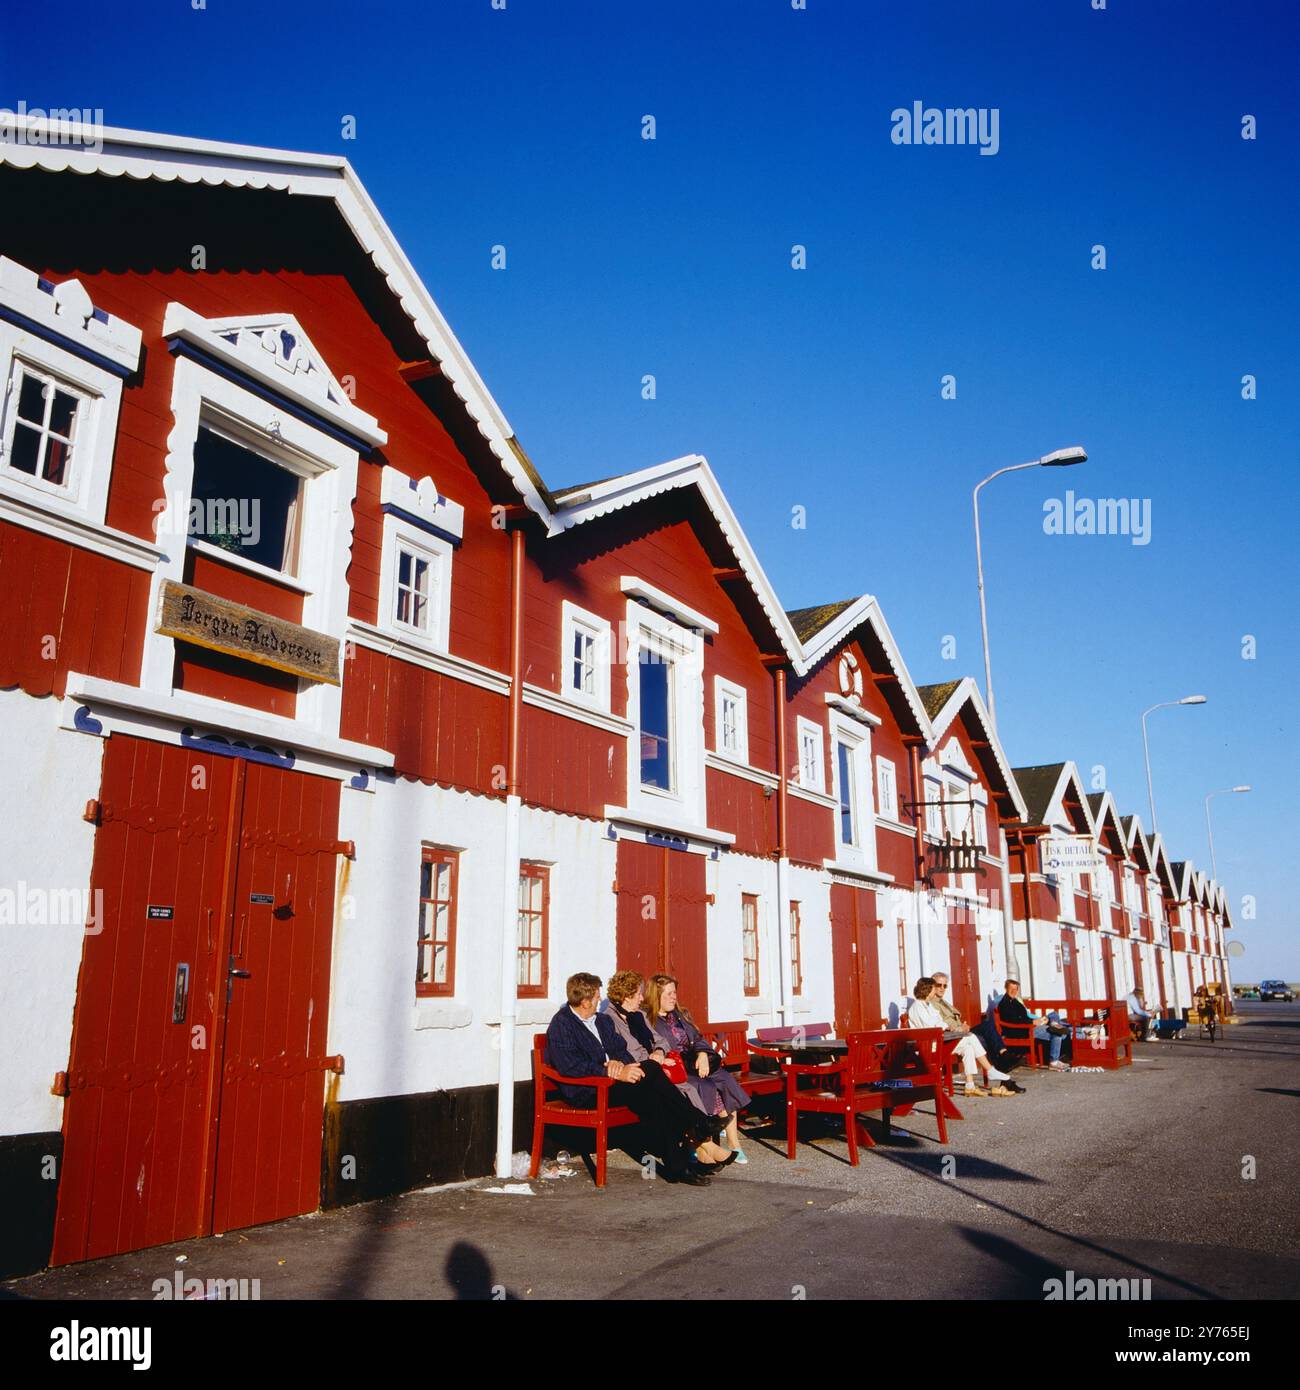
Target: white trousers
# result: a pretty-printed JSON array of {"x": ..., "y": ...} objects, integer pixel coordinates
[{"x": 968, "y": 1050}]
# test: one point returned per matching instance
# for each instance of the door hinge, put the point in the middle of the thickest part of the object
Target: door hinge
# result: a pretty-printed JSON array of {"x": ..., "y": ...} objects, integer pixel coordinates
[
  {"x": 91, "y": 813},
  {"x": 60, "y": 1087},
  {"x": 347, "y": 848},
  {"x": 335, "y": 1064}
]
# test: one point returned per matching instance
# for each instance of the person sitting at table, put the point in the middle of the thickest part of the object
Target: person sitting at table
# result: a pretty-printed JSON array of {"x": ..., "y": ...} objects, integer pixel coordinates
[
  {"x": 1012, "y": 1010},
  {"x": 953, "y": 1022},
  {"x": 623, "y": 1029},
  {"x": 1139, "y": 1018},
  {"x": 921, "y": 1013},
  {"x": 670, "y": 1125},
  {"x": 720, "y": 1093}
]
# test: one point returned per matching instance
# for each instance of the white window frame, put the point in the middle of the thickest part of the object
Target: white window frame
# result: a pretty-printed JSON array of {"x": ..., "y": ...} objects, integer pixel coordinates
[
  {"x": 329, "y": 468},
  {"x": 401, "y": 535},
  {"x": 724, "y": 690},
  {"x": 887, "y": 788},
  {"x": 85, "y": 498},
  {"x": 856, "y": 737},
  {"x": 810, "y": 736},
  {"x": 932, "y": 795},
  {"x": 685, "y": 801},
  {"x": 573, "y": 621}
]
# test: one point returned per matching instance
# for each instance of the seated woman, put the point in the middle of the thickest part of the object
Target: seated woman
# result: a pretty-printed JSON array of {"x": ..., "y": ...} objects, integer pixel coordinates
[
  {"x": 720, "y": 1094},
  {"x": 921, "y": 1013},
  {"x": 624, "y": 1030}
]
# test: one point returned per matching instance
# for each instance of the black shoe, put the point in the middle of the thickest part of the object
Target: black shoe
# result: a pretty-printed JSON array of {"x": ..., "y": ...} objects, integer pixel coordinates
[
  {"x": 686, "y": 1177},
  {"x": 1014, "y": 1086},
  {"x": 729, "y": 1160},
  {"x": 706, "y": 1170}
]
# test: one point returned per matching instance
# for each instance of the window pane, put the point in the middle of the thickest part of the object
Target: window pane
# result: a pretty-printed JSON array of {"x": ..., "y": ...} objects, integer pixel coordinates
[
  {"x": 31, "y": 399},
  {"x": 442, "y": 922},
  {"x": 63, "y": 414},
  {"x": 440, "y": 965},
  {"x": 422, "y": 966},
  {"x": 26, "y": 449},
  {"x": 426, "y": 880},
  {"x": 846, "y": 760},
  {"x": 243, "y": 502},
  {"x": 656, "y": 748}
]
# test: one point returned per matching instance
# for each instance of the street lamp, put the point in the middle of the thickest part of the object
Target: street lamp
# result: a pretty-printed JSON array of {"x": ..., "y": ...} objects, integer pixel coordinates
[
  {"x": 1146, "y": 747},
  {"x": 1209, "y": 829},
  {"x": 1060, "y": 458}
]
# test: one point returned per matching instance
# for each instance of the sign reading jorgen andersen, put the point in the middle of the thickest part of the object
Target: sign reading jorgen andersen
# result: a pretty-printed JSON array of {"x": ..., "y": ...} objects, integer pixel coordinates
[{"x": 222, "y": 626}]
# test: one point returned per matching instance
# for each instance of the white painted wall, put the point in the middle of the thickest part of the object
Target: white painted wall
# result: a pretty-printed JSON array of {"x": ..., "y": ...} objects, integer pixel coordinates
[{"x": 49, "y": 775}]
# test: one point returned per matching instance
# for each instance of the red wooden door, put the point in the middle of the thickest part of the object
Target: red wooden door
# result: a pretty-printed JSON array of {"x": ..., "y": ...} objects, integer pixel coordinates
[
  {"x": 186, "y": 1103},
  {"x": 662, "y": 918},
  {"x": 1160, "y": 978},
  {"x": 1070, "y": 963},
  {"x": 963, "y": 961},
  {"x": 273, "y": 1063},
  {"x": 1108, "y": 964},
  {"x": 141, "y": 1063},
  {"x": 855, "y": 959},
  {"x": 1138, "y": 981}
]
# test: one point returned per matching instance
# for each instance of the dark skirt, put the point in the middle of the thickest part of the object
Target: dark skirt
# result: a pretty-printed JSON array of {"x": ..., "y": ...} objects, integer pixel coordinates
[{"x": 720, "y": 1093}]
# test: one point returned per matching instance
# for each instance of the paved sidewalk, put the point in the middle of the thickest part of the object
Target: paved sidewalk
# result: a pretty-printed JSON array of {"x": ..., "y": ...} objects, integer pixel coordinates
[{"x": 1135, "y": 1174}]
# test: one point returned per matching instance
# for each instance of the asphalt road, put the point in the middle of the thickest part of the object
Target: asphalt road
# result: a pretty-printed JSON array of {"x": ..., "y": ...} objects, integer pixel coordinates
[{"x": 1180, "y": 1169}]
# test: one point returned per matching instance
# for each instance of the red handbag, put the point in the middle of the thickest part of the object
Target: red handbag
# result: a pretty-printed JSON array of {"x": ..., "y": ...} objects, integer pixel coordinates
[{"x": 674, "y": 1068}]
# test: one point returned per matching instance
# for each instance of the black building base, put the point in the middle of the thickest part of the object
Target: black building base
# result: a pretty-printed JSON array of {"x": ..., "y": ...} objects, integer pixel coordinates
[
  {"x": 374, "y": 1148},
  {"x": 28, "y": 1200}
]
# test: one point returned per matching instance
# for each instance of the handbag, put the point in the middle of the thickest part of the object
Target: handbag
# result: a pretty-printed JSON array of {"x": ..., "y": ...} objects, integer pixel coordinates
[
  {"x": 696, "y": 1052},
  {"x": 674, "y": 1068}
]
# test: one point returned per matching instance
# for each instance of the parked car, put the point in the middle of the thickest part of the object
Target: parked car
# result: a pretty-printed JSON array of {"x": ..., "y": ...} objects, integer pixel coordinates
[{"x": 1276, "y": 989}]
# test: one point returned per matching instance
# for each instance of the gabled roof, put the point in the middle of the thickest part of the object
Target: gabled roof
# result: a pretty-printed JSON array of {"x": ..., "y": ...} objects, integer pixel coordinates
[
  {"x": 576, "y": 507},
  {"x": 1184, "y": 873},
  {"x": 838, "y": 622},
  {"x": 1102, "y": 806},
  {"x": 1160, "y": 861},
  {"x": 1041, "y": 786},
  {"x": 1136, "y": 841},
  {"x": 146, "y": 155},
  {"x": 808, "y": 622},
  {"x": 961, "y": 695}
]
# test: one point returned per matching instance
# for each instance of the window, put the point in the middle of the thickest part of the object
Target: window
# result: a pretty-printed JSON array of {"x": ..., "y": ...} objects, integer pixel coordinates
[
  {"x": 41, "y": 422},
  {"x": 749, "y": 941},
  {"x": 846, "y": 765},
  {"x": 812, "y": 762},
  {"x": 534, "y": 911},
  {"x": 584, "y": 674},
  {"x": 656, "y": 672},
  {"x": 415, "y": 592},
  {"x": 435, "y": 970},
  {"x": 244, "y": 503},
  {"x": 731, "y": 729},
  {"x": 958, "y": 815},
  {"x": 796, "y": 951},
  {"x": 933, "y": 807},
  {"x": 887, "y": 788},
  {"x": 62, "y": 364}
]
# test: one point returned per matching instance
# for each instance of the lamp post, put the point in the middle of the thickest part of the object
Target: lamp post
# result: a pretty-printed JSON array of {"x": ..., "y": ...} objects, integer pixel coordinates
[
  {"x": 1209, "y": 829},
  {"x": 1146, "y": 747},
  {"x": 1061, "y": 458}
]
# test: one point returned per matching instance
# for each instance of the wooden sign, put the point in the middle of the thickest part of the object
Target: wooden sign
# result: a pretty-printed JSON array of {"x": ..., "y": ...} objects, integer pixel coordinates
[{"x": 208, "y": 621}]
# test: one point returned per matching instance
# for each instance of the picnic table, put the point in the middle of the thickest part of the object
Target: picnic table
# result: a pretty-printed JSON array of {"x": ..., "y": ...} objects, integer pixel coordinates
[{"x": 838, "y": 1047}]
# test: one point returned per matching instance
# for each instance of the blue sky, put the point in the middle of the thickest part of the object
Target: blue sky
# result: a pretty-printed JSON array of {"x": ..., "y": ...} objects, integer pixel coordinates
[{"x": 820, "y": 388}]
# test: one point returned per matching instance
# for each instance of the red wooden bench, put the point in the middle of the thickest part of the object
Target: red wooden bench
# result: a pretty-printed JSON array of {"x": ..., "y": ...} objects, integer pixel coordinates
[
  {"x": 1114, "y": 1052},
  {"x": 735, "y": 1049},
  {"x": 859, "y": 1082},
  {"x": 551, "y": 1108}
]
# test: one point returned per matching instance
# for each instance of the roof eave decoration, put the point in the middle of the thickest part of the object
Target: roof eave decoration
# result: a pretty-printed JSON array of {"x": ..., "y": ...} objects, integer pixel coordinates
[
  {"x": 277, "y": 355},
  {"x": 967, "y": 692},
  {"x": 147, "y": 155},
  {"x": 692, "y": 470},
  {"x": 866, "y": 609}
]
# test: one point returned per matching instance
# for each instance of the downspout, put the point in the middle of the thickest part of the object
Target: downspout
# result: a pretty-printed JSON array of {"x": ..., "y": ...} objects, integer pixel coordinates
[
  {"x": 510, "y": 880},
  {"x": 786, "y": 983},
  {"x": 918, "y": 811},
  {"x": 1008, "y": 914}
]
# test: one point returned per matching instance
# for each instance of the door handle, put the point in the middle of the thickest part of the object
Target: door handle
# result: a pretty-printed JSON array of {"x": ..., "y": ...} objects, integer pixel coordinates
[
  {"x": 181, "y": 994},
  {"x": 233, "y": 973}
]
